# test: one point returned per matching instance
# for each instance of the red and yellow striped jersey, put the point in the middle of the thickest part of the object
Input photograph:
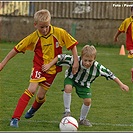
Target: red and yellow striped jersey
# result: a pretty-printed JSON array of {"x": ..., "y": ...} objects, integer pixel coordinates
[
  {"x": 46, "y": 47},
  {"x": 127, "y": 27}
]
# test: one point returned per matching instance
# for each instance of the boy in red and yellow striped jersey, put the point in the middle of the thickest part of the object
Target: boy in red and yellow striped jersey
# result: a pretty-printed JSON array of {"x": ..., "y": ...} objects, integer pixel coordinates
[
  {"x": 46, "y": 42},
  {"x": 127, "y": 27}
]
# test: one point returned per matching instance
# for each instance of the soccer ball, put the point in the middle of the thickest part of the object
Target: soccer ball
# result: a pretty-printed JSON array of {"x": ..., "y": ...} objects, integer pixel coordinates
[{"x": 68, "y": 123}]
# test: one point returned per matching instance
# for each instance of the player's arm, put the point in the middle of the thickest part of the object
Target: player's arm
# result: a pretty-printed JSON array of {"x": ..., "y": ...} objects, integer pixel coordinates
[
  {"x": 10, "y": 55},
  {"x": 60, "y": 60},
  {"x": 109, "y": 75},
  {"x": 75, "y": 58},
  {"x": 122, "y": 86},
  {"x": 46, "y": 67},
  {"x": 116, "y": 35},
  {"x": 71, "y": 44}
]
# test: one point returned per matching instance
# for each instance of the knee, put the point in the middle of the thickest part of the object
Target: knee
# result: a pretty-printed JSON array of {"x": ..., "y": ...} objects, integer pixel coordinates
[
  {"x": 87, "y": 101},
  {"x": 41, "y": 93},
  {"x": 40, "y": 97},
  {"x": 68, "y": 89}
]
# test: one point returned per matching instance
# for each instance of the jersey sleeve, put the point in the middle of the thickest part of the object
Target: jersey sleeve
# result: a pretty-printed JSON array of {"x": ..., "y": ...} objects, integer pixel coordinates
[
  {"x": 105, "y": 71},
  {"x": 68, "y": 40},
  {"x": 124, "y": 25},
  {"x": 64, "y": 60},
  {"x": 28, "y": 43}
]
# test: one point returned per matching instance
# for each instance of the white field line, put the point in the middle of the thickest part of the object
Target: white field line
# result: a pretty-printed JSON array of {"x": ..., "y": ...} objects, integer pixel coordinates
[{"x": 93, "y": 123}]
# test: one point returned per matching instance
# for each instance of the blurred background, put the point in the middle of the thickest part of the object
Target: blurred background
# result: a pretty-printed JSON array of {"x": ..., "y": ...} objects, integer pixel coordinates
[{"x": 88, "y": 22}]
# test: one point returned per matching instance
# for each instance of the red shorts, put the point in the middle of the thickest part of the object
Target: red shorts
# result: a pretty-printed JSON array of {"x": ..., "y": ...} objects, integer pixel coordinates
[{"x": 42, "y": 78}]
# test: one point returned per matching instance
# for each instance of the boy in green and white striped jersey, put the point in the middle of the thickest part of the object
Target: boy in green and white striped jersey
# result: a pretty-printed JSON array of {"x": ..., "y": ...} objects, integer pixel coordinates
[{"x": 89, "y": 70}]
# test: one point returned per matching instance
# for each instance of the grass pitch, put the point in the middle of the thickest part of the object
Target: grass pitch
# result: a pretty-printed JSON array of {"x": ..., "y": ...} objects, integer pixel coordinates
[{"x": 111, "y": 108}]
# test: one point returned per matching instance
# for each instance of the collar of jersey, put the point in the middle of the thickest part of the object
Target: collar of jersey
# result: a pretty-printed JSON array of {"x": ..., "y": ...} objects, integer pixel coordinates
[
  {"x": 51, "y": 32},
  {"x": 81, "y": 64}
]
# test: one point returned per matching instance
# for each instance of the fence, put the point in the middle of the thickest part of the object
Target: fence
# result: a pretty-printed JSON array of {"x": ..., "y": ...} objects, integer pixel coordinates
[{"x": 79, "y": 9}]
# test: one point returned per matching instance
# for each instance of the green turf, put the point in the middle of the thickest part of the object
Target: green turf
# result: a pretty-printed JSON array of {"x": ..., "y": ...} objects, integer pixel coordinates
[{"x": 111, "y": 108}]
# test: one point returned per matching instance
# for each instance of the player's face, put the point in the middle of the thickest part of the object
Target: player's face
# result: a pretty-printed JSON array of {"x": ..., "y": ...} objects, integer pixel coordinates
[
  {"x": 43, "y": 27},
  {"x": 87, "y": 61}
]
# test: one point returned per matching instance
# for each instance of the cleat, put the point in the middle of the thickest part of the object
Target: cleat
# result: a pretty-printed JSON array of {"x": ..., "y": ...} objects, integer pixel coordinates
[
  {"x": 130, "y": 55},
  {"x": 85, "y": 122},
  {"x": 66, "y": 114},
  {"x": 30, "y": 113},
  {"x": 14, "y": 122}
]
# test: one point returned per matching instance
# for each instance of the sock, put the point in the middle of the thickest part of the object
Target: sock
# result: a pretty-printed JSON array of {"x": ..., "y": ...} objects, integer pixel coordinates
[
  {"x": 22, "y": 103},
  {"x": 84, "y": 111},
  {"x": 38, "y": 103},
  {"x": 67, "y": 101}
]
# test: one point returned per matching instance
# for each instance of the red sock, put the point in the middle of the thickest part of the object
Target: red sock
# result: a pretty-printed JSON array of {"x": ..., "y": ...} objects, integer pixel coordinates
[
  {"x": 37, "y": 104},
  {"x": 22, "y": 103}
]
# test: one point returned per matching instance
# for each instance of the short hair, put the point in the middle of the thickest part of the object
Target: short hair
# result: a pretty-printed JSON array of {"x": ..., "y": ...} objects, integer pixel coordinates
[
  {"x": 88, "y": 51},
  {"x": 42, "y": 16}
]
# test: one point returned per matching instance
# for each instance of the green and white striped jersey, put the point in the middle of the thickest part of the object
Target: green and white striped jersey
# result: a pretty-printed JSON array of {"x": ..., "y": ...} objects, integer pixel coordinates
[{"x": 84, "y": 76}]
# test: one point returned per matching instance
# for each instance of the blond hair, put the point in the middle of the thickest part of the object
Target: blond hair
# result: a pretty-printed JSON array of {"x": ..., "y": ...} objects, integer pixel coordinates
[
  {"x": 89, "y": 51},
  {"x": 42, "y": 16}
]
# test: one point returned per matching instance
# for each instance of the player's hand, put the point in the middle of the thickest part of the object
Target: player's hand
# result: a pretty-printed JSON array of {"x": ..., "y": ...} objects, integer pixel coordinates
[
  {"x": 115, "y": 39},
  {"x": 45, "y": 67},
  {"x": 124, "y": 87},
  {"x": 75, "y": 68}
]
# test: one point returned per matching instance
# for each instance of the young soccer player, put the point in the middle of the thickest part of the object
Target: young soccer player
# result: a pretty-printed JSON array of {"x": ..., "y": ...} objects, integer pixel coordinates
[
  {"x": 89, "y": 70},
  {"x": 46, "y": 42},
  {"x": 126, "y": 27}
]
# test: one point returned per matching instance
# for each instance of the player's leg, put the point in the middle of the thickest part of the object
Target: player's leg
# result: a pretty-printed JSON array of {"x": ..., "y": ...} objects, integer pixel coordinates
[
  {"x": 40, "y": 97},
  {"x": 67, "y": 96},
  {"x": 22, "y": 103},
  {"x": 39, "y": 100},
  {"x": 67, "y": 100},
  {"x": 84, "y": 112},
  {"x": 85, "y": 94}
]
